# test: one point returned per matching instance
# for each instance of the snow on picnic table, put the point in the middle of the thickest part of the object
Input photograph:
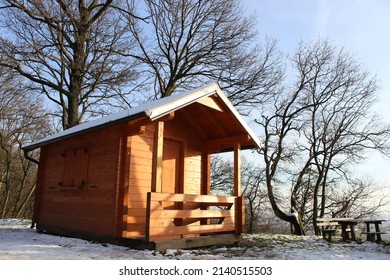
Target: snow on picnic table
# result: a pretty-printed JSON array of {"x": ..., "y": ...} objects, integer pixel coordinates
[{"x": 19, "y": 242}]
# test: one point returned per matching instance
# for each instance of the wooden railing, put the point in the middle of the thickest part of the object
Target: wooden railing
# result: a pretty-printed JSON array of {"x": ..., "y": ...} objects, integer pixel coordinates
[{"x": 174, "y": 216}]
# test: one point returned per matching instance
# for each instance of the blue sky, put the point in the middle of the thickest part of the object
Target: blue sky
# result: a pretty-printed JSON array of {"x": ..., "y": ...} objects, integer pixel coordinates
[{"x": 360, "y": 26}]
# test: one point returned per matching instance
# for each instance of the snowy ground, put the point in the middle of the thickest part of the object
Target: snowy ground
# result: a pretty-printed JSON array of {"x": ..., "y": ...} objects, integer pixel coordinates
[{"x": 19, "y": 242}]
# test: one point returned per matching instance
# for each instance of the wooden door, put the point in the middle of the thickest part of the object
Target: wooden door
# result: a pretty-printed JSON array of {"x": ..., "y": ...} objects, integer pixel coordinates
[
  {"x": 172, "y": 180},
  {"x": 172, "y": 166}
]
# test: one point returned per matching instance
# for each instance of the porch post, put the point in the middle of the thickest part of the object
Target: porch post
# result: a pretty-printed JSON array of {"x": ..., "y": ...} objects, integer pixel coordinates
[
  {"x": 205, "y": 173},
  {"x": 239, "y": 200},
  {"x": 157, "y": 157},
  {"x": 237, "y": 169}
]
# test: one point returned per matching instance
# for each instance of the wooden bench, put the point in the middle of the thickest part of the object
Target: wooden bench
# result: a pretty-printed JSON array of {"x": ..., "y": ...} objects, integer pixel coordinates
[
  {"x": 329, "y": 226},
  {"x": 372, "y": 234}
]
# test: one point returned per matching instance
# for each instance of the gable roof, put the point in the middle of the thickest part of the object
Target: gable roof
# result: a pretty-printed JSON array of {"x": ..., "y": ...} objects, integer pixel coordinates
[{"x": 152, "y": 110}]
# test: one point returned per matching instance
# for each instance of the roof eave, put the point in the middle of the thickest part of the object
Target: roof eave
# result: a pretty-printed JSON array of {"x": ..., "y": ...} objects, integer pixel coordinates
[{"x": 44, "y": 142}]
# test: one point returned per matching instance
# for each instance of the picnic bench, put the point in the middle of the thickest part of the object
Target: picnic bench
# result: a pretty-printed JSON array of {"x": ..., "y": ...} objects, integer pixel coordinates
[
  {"x": 329, "y": 227},
  {"x": 374, "y": 236}
]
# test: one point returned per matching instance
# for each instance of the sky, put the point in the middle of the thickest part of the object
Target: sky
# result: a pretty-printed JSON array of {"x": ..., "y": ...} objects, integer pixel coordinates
[{"x": 360, "y": 26}]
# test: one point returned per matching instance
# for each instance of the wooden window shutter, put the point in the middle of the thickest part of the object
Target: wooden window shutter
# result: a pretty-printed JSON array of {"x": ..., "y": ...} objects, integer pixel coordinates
[{"x": 75, "y": 167}]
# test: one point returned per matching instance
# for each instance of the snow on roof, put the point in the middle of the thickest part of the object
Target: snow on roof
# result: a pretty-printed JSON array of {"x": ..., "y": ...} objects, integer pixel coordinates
[{"x": 154, "y": 110}]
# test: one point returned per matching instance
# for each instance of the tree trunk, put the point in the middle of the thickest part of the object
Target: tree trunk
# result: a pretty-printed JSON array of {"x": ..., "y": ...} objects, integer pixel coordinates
[
  {"x": 4, "y": 209},
  {"x": 292, "y": 217},
  {"x": 73, "y": 113},
  {"x": 26, "y": 201}
]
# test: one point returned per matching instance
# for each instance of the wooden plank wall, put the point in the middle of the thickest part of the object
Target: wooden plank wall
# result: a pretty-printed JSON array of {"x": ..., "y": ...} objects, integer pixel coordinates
[
  {"x": 139, "y": 181},
  {"x": 87, "y": 210}
]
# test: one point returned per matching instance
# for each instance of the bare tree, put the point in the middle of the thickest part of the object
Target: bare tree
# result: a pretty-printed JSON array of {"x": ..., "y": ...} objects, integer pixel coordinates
[
  {"x": 360, "y": 198},
  {"x": 187, "y": 43},
  {"x": 75, "y": 52},
  {"x": 221, "y": 175},
  {"x": 253, "y": 189},
  {"x": 22, "y": 120},
  {"x": 83, "y": 55},
  {"x": 343, "y": 126},
  {"x": 319, "y": 127},
  {"x": 256, "y": 198}
]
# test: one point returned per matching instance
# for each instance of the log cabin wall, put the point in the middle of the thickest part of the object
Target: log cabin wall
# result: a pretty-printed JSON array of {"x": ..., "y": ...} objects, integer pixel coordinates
[
  {"x": 138, "y": 181},
  {"x": 140, "y": 151},
  {"x": 77, "y": 185}
]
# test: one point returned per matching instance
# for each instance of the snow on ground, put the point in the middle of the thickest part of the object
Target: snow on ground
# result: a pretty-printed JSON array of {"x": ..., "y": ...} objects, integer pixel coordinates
[{"x": 19, "y": 242}]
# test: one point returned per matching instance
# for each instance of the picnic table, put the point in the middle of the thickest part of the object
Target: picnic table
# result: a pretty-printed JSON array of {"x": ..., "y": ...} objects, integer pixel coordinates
[
  {"x": 347, "y": 227},
  {"x": 330, "y": 226},
  {"x": 374, "y": 236}
]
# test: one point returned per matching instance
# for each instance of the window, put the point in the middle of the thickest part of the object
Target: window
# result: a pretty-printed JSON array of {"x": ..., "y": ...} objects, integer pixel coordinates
[{"x": 75, "y": 168}]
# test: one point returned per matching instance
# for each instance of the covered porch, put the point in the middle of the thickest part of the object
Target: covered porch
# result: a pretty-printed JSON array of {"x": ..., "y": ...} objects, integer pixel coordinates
[
  {"x": 179, "y": 209},
  {"x": 177, "y": 215}
]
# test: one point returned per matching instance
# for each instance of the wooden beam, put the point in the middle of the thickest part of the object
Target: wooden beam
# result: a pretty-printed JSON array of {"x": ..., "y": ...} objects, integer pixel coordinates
[
  {"x": 206, "y": 173},
  {"x": 192, "y": 229},
  {"x": 195, "y": 213},
  {"x": 157, "y": 157},
  {"x": 205, "y": 183},
  {"x": 207, "y": 199},
  {"x": 134, "y": 127},
  {"x": 148, "y": 209},
  {"x": 133, "y": 130},
  {"x": 226, "y": 143},
  {"x": 237, "y": 169},
  {"x": 239, "y": 214}
]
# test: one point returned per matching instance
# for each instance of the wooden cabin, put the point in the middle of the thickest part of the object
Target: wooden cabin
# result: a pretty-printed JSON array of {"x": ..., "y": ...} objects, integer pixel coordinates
[{"x": 142, "y": 176}]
